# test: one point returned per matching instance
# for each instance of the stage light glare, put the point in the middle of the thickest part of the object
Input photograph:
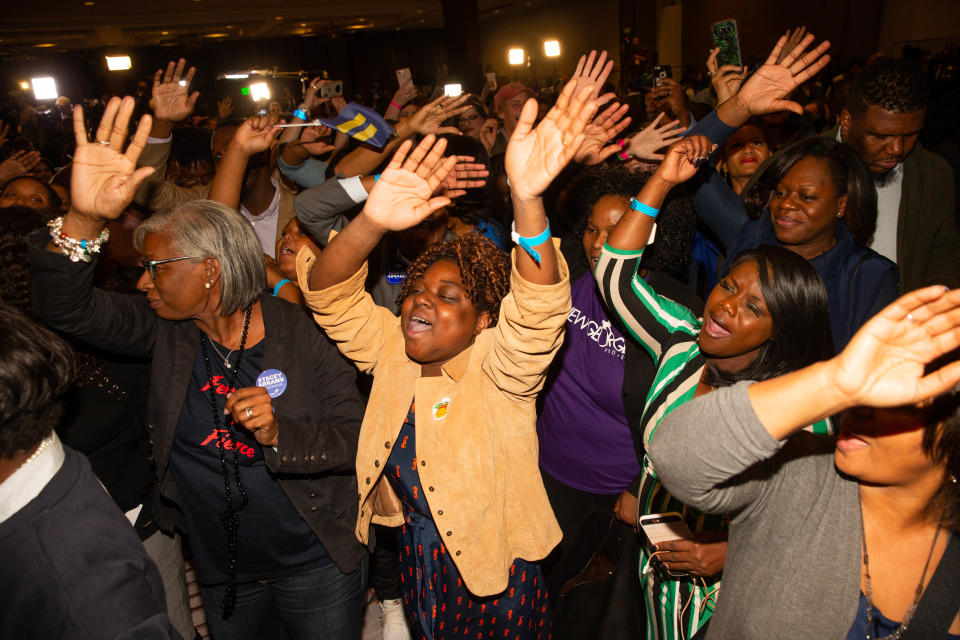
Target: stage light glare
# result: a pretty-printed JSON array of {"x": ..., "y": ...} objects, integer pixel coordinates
[
  {"x": 551, "y": 48},
  {"x": 259, "y": 91},
  {"x": 118, "y": 63},
  {"x": 515, "y": 56},
  {"x": 44, "y": 88}
]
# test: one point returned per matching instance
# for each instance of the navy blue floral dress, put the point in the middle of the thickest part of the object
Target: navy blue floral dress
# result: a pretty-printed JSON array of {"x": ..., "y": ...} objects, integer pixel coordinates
[{"x": 435, "y": 598}]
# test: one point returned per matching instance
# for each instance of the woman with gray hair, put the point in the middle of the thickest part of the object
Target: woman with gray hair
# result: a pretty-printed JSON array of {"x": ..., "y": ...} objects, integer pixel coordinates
[{"x": 253, "y": 415}]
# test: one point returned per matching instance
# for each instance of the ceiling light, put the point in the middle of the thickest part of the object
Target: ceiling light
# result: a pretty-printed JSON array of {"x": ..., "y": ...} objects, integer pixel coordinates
[
  {"x": 551, "y": 48},
  {"x": 236, "y": 76},
  {"x": 216, "y": 35},
  {"x": 44, "y": 88},
  {"x": 89, "y": 3},
  {"x": 278, "y": 18},
  {"x": 118, "y": 63},
  {"x": 164, "y": 33},
  {"x": 259, "y": 91},
  {"x": 24, "y": 85},
  {"x": 44, "y": 45},
  {"x": 515, "y": 56}
]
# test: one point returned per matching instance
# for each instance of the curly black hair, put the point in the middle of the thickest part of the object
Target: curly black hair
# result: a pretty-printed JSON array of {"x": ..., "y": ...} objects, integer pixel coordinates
[
  {"x": 484, "y": 270},
  {"x": 941, "y": 441},
  {"x": 897, "y": 86},
  {"x": 676, "y": 223}
]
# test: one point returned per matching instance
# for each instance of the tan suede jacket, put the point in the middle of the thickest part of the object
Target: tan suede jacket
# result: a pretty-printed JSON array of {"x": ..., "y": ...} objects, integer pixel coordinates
[{"x": 477, "y": 447}]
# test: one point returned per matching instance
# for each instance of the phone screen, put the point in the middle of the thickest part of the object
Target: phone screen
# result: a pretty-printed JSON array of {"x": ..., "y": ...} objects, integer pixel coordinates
[
  {"x": 726, "y": 37},
  {"x": 452, "y": 90},
  {"x": 331, "y": 89},
  {"x": 663, "y": 527},
  {"x": 661, "y": 73}
]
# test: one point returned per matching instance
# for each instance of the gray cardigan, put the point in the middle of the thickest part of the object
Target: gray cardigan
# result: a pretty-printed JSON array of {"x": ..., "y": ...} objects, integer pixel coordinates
[{"x": 793, "y": 561}]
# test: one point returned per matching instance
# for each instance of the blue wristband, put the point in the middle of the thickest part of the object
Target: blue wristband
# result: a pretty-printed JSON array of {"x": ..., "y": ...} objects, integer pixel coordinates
[
  {"x": 300, "y": 113},
  {"x": 646, "y": 210},
  {"x": 276, "y": 289},
  {"x": 528, "y": 244}
]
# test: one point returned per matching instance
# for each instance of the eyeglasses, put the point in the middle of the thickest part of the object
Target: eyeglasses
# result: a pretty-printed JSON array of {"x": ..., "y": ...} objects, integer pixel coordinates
[{"x": 150, "y": 266}]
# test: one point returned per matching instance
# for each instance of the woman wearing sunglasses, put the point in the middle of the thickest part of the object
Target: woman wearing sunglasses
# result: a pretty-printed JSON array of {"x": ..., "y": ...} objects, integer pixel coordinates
[{"x": 253, "y": 415}]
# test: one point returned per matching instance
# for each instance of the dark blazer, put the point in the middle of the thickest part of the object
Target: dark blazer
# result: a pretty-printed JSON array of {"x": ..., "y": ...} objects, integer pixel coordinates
[
  {"x": 859, "y": 281},
  {"x": 319, "y": 413},
  {"x": 74, "y": 568},
  {"x": 928, "y": 240}
]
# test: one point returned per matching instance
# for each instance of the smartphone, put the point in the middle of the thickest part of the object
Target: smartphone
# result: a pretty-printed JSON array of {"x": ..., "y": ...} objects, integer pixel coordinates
[
  {"x": 726, "y": 37},
  {"x": 492, "y": 77},
  {"x": 403, "y": 76},
  {"x": 663, "y": 527},
  {"x": 660, "y": 73},
  {"x": 452, "y": 90},
  {"x": 332, "y": 89}
]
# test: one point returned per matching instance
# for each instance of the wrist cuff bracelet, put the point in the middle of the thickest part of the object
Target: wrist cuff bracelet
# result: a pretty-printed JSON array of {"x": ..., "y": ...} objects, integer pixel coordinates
[
  {"x": 528, "y": 244},
  {"x": 646, "y": 210},
  {"x": 276, "y": 289}
]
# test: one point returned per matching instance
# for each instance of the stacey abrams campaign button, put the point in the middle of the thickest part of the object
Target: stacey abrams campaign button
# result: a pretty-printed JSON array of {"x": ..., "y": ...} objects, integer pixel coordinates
[{"x": 274, "y": 381}]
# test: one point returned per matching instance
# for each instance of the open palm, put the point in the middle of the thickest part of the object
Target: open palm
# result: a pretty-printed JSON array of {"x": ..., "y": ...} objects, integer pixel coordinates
[
  {"x": 765, "y": 90},
  {"x": 536, "y": 156},
  {"x": 171, "y": 100},
  {"x": 401, "y": 198},
  {"x": 103, "y": 179},
  {"x": 884, "y": 364}
]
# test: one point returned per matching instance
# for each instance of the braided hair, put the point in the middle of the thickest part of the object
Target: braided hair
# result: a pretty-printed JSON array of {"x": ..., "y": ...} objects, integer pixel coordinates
[{"x": 484, "y": 270}]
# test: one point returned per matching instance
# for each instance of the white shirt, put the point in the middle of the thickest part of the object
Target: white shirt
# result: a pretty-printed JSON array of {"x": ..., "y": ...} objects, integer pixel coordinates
[
  {"x": 888, "y": 213},
  {"x": 29, "y": 480},
  {"x": 265, "y": 224}
]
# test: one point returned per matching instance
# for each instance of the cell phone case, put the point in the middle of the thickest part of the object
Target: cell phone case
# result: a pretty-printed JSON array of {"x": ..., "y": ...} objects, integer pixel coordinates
[{"x": 726, "y": 36}]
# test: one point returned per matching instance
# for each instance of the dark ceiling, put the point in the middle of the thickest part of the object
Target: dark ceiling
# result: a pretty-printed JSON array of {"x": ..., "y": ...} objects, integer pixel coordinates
[{"x": 31, "y": 28}]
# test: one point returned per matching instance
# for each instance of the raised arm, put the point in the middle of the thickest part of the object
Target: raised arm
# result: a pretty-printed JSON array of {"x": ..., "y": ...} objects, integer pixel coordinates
[
  {"x": 402, "y": 198},
  {"x": 428, "y": 120},
  {"x": 650, "y": 318},
  {"x": 536, "y": 156},
  {"x": 256, "y": 134},
  {"x": 102, "y": 184},
  {"x": 882, "y": 366}
]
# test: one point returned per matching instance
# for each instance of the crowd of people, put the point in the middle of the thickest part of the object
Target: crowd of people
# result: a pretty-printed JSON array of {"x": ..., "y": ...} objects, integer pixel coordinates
[{"x": 664, "y": 360}]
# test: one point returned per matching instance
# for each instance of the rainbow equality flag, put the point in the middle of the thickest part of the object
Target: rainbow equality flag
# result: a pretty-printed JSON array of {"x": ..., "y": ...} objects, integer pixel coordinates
[{"x": 362, "y": 124}]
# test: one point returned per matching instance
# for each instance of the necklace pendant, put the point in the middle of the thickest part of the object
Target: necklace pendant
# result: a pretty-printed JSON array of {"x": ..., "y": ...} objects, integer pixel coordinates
[{"x": 229, "y": 366}]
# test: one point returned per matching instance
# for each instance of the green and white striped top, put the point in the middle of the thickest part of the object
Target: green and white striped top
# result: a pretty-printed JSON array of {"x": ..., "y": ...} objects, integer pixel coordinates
[{"x": 675, "y": 608}]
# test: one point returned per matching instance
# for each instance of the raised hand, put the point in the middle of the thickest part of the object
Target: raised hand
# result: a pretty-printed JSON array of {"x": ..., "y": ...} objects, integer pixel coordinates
[
  {"x": 488, "y": 134},
  {"x": 256, "y": 134},
  {"x": 726, "y": 80},
  {"x": 765, "y": 90},
  {"x": 224, "y": 108},
  {"x": 316, "y": 140},
  {"x": 171, "y": 100},
  {"x": 104, "y": 178},
  {"x": 592, "y": 71},
  {"x": 683, "y": 158},
  {"x": 18, "y": 164},
  {"x": 466, "y": 174},
  {"x": 310, "y": 97},
  {"x": 405, "y": 93},
  {"x": 671, "y": 92},
  {"x": 794, "y": 37},
  {"x": 536, "y": 156},
  {"x": 430, "y": 118},
  {"x": 605, "y": 127},
  {"x": 648, "y": 141},
  {"x": 883, "y": 365},
  {"x": 403, "y": 196}
]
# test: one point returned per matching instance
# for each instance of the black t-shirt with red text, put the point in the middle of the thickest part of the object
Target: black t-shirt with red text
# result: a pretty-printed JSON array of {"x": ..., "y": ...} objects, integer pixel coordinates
[{"x": 273, "y": 539}]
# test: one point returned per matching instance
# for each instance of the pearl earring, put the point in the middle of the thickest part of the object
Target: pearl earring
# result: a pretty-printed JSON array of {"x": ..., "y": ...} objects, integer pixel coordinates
[{"x": 207, "y": 284}]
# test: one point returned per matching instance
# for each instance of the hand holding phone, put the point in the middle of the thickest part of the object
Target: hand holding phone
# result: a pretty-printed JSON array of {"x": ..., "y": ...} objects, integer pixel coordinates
[
  {"x": 404, "y": 77},
  {"x": 726, "y": 37},
  {"x": 331, "y": 89},
  {"x": 660, "y": 528}
]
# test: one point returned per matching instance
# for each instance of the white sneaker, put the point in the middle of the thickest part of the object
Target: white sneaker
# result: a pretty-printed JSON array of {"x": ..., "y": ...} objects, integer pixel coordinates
[{"x": 393, "y": 621}]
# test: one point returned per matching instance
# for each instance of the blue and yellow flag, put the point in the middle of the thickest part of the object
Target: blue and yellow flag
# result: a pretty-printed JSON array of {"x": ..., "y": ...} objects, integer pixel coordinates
[{"x": 361, "y": 123}]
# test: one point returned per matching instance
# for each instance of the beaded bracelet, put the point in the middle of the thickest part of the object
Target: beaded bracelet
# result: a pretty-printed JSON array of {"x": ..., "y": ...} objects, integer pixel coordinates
[{"x": 76, "y": 250}]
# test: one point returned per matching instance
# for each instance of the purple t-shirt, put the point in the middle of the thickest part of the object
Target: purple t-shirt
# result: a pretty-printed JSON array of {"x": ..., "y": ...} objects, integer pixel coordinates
[{"x": 585, "y": 441}]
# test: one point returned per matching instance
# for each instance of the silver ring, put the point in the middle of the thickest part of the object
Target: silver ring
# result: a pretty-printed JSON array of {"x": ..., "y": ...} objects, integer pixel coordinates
[
  {"x": 911, "y": 318},
  {"x": 440, "y": 104},
  {"x": 248, "y": 413},
  {"x": 105, "y": 143}
]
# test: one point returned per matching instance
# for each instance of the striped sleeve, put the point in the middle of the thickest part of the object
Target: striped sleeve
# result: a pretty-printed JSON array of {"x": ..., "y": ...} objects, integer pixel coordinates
[{"x": 650, "y": 318}]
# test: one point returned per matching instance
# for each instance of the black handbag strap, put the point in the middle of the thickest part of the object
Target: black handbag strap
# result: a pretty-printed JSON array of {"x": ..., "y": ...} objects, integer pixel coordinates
[{"x": 941, "y": 600}]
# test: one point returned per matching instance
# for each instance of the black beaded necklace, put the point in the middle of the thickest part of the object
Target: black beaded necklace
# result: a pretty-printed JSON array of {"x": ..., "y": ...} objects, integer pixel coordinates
[{"x": 229, "y": 517}]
